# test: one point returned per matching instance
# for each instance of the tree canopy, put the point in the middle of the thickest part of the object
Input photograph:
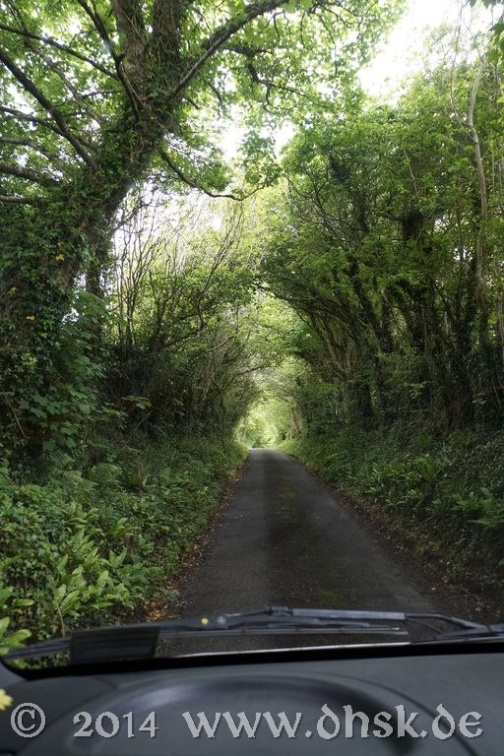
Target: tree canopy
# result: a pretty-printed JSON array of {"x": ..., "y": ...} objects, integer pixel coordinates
[
  {"x": 382, "y": 233},
  {"x": 392, "y": 254},
  {"x": 102, "y": 96}
]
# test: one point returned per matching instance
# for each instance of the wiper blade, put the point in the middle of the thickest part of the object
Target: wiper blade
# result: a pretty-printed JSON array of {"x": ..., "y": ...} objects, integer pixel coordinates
[
  {"x": 139, "y": 641},
  {"x": 480, "y": 632},
  {"x": 302, "y": 619},
  {"x": 468, "y": 628}
]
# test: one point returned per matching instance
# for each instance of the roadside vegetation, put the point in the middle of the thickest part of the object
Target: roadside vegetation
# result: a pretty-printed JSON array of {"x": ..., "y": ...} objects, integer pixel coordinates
[
  {"x": 441, "y": 501},
  {"x": 111, "y": 478},
  {"x": 392, "y": 259},
  {"x": 166, "y": 302},
  {"x": 100, "y": 546}
]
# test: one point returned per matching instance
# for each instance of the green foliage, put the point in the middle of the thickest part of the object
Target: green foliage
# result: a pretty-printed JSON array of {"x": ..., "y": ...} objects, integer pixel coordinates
[
  {"x": 82, "y": 551},
  {"x": 390, "y": 255},
  {"x": 410, "y": 483},
  {"x": 50, "y": 412},
  {"x": 97, "y": 102},
  {"x": 186, "y": 343},
  {"x": 11, "y": 607},
  {"x": 383, "y": 236},
  {"x": 445, "y": 497}
]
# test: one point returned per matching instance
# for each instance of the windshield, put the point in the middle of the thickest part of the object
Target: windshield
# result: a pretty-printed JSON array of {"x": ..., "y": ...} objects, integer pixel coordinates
[{"x": 251, "y": 324}]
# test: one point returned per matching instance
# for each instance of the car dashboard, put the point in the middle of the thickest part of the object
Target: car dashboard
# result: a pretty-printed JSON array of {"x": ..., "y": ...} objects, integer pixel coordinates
[{"x": 398, "y": 699}]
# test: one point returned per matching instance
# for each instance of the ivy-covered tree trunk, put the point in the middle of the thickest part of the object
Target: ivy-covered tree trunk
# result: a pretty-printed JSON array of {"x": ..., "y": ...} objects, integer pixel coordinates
[{"x": 47, "y": 245}]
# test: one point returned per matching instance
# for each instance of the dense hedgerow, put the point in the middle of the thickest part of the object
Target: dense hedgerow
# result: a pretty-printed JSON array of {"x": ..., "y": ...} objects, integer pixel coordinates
[
  {"x": 446, "y": 496},
  {"x": 90, "y": 549}
]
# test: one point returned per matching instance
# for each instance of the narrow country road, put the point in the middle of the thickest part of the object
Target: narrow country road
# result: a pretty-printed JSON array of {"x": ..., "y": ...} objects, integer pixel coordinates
[{"x": 284, "y": 539}]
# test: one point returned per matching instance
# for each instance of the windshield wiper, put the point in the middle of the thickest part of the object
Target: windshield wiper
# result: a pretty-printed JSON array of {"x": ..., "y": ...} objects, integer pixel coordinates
[
  {"x": 480, "y": 632},
  {"x": 139, "y": 641}
]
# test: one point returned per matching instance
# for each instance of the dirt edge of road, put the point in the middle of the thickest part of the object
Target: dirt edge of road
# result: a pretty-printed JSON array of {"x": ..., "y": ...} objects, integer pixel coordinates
[{"x": 195, "y": 553}]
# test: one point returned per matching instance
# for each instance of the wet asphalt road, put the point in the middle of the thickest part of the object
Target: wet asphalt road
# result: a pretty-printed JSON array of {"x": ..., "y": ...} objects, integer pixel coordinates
[{"x": 284, "y": 540}]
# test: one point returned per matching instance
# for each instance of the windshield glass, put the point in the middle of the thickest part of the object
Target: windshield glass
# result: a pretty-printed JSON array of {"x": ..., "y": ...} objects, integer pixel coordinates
[{"x": 252, "y": 323}]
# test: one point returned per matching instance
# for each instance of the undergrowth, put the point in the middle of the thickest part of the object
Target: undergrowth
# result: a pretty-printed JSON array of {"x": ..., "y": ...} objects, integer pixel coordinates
[
  {"x": 92, "y": 548},
  {"x": 444, "y": 497}
]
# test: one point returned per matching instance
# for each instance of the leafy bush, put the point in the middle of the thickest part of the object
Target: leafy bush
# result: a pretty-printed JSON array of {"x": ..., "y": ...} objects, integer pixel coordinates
[
  {"x": 448, "y": 494},
  {"x": 413, "y": 482},
  {"x": 9, "y": 605},
  {"x": 81, "y": 551}
]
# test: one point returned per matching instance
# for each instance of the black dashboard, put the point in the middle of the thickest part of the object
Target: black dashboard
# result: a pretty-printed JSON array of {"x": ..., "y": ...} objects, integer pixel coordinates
[{"x": 391, "y": 701}]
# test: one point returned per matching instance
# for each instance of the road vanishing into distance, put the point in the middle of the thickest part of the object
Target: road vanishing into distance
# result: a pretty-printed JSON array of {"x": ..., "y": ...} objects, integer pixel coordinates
[{"x": 283, "y": 539}]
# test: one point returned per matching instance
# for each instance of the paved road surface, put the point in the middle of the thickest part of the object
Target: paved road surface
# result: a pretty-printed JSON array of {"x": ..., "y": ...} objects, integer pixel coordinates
[{"x": 285, "y": 540}]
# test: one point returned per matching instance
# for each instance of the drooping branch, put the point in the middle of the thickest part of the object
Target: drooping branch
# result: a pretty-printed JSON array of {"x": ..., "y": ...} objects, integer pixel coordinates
[
  {"x": 181, "y": 175},
  {"x": 48, "y": 106},
  {"x": 58, "y": 46},
  {"x": 28, "y": 174}
]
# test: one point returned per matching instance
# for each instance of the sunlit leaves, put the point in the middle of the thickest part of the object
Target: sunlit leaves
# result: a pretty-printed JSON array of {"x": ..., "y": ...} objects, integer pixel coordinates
[
  {"x": 102, "y": 96},
  {"x": 87, "y": 72}
]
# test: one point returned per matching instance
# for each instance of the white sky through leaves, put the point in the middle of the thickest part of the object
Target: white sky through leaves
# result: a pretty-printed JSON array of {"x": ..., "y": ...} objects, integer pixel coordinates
[{"x": 403, "y": 52}]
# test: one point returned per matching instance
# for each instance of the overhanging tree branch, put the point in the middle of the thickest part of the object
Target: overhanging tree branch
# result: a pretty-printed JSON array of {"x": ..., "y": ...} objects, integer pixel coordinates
[
  {"x": 225, "y": 32},
  {"x": 16, "y": 199},
  {"x": 19, "y": 115},
  {"x": 28, "y": 174},
  {"x": 58, "y": 46},
  {"x": 32, "y": 146},
  {"x": 55, "y": 114},
  {"x": 76, "y": 94},
  {"x": 181, "y": 175}
]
